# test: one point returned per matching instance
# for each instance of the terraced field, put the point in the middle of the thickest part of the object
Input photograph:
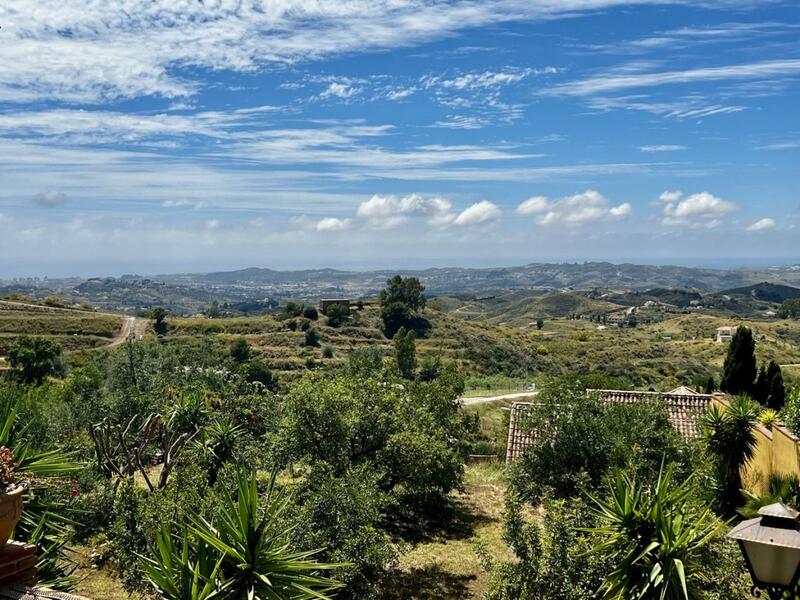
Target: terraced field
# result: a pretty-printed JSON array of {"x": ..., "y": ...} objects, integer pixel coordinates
[{"x": 73, "y": 329}]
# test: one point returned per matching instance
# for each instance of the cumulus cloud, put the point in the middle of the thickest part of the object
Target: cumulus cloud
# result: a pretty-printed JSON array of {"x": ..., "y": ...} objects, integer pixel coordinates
[
  {"x": 586, "y": 207},
  {"x": 50, "y": 199},
  {"x": 703, "y": 209},
  {"x": 479, "y": 213},
  {"x": 762, "y": 224},
  {"x": 385, "y": 212},
  {"x": 331, "y": 224}
]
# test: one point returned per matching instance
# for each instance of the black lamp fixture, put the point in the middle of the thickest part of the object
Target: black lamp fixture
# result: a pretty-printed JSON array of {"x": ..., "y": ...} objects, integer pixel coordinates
[{"x": 770, "y": 544}]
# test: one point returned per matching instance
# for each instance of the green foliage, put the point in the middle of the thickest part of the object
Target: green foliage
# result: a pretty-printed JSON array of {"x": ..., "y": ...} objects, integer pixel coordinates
[
  {"x": 255, "y": 371},
  {"x": 33, "y": 359},
  {"x": 739, "y": 371},
  {"x": 400, "y": 300},
  {"x": 790, "y": 309},
  {"x": 327, "y": 351},
  {"x": 539, "y": 324},
  {"x": 257, "y": 560},
  {"x": 580, "y": 440},
  {"x": 240, "y": 350},
  {"x": 731, "y": 444},
  {"x": 710, "y": 386},
  {"x": 293, "y": 309},
  {"x": 768, "y": 418},
  {"x": 159, "y": 315},
  {"x": 343, "y": 515},
  {"x": 338, "y": 315},
  {"x": 309, "y": 312},
  {"x": 411, "y": 435},
  {"x": 654, "y": 538},
  {"x": 779, "y": 488},
  {"x": 790, "y": 414},
  {"x": 408, "y": 291},
  {"x": 776, "y": 392},
  {"x": 405, "y": 352},
  {"x": 552, "y": 560},
  {"x": 312, "y": 338}
]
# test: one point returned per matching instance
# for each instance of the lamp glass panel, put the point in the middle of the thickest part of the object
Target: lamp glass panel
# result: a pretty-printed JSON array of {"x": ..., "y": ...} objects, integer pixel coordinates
[{"x": 773, "y": 565}]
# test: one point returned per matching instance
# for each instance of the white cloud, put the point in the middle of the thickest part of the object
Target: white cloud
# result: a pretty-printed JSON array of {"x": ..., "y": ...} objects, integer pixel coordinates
[
  {"x": 485, "y": 79},
  {"x": 663, "y": 148},
  {"x": 589, "y": 206},
  {"x": 331, "y": 224},
  {"x": 702, "y": 209},
  {"x": 534, "y": 205},
  {"x": 50, "y": 199},
  {"x": 781, "y": 146},
  {"x": 615, "y": 81},
  {"x": 341, "y": 90},
  {"x": 479, "y": 213},
  {"x": 90, "y": 52},
  {"x": 386, "y": 212},
  {"x": 762, "y": 224}
]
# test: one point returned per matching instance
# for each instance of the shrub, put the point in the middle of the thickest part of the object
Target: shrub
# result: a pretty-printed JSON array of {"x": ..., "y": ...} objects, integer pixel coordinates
[
  {"x": 309, "y": 312},
  {"x": 327, "y": 351},
  {"x": 240, "y": 350},
  {"x": 580, "y": 440},
  {"x": 337, "y": 314},
  {"x": 33, "y": 359},
  {"x": 312, "y": 338}
]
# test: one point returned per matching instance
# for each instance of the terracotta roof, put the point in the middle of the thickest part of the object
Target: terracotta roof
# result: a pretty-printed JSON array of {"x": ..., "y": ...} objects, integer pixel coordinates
[{"x": 685, "y": 410}]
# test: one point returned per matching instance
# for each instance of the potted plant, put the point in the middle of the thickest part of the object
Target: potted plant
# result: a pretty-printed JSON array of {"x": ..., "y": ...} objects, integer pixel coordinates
[{"x": 12, "y": 488}]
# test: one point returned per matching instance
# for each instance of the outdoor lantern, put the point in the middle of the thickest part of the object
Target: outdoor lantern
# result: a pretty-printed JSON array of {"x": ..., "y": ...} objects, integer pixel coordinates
[{"x": 771, "y": 548}]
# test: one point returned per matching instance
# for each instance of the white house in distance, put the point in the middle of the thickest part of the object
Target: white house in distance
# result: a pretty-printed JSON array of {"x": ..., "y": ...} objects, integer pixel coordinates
[{"x": 725, "y": 334}]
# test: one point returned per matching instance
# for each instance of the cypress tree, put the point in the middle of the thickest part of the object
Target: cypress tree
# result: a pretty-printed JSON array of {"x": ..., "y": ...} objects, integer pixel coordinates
[
  {"x": 739, "y": 372},
  {"x": 711, "y": 385},
  {"x": 776, "y": 397},
  {"x": 761, "y": 388}
]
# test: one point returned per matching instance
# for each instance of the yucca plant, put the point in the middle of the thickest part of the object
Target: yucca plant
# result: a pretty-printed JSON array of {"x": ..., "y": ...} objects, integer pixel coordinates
[
  {"x": 242, "y": 553},
  {"x": 43, "y": 523},
  {"x": 780, "y": 488},
  {"x": 654, "y": 535},
  {"x": 188, "y": 572},
  {"x": 731, "y": 442}
]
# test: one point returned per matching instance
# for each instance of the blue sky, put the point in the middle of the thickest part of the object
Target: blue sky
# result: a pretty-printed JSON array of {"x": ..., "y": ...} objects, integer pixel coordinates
[{"x": 166, "y": 135}]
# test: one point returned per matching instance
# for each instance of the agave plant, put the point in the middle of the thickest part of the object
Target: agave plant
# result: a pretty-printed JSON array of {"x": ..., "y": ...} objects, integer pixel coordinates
[
  {"x": 731, "y": 441},
  {"x": 258, "y": 563},
  {"x": 188, "y": 572},
  {"x": 655, "y": 536}
]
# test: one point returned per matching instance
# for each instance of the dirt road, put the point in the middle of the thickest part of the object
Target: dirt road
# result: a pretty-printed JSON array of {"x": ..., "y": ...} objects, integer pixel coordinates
[
  {"x": 132, "y": 328},
  {"x": 466, "y": 401}
]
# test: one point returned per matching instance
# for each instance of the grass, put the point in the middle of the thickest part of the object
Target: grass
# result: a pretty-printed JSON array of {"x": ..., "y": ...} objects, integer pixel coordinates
[
  {"x": 96, "y": 583},
  {"x": 447, "y": 564}
]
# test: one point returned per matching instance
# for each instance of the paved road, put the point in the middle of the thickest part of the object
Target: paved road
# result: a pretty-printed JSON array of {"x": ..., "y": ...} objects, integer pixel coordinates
[{"x": 466, "y": 401}]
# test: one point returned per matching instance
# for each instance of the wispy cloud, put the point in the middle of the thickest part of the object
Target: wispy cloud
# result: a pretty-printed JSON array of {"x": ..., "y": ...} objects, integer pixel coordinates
[
  {"x": 663, "y": 148},
  {"x": 762, "y": 225},
  {"x": 613, "y": 82}
]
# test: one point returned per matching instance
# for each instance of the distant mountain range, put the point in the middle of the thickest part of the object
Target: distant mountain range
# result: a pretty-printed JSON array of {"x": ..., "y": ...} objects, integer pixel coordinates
[
  {"x": 542, "y": 275},
  {"x": 263, "y": 287}
]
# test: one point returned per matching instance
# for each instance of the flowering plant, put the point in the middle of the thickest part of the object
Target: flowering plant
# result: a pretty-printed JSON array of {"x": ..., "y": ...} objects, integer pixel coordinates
[{"x": 10, "y": 478}]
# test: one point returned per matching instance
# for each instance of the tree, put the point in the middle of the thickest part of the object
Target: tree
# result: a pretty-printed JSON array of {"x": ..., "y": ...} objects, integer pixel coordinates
[
  {"x": 776, "y": 391},
  {"x": 408, "y": 291},
  {"x": 790, "y": 309},
  {"x": 312, "y": 337},
  {"x": 34, "y": 359},
  {"x": 739, "y": 372},
  {"x": 711, "y": 385},
  {"x": 654, "y": 538},
  {"x": 214, "y": 311},
  {"x": 309, "y": 312},
  {"x": 731, "y": 443},
  {"x": 159, "y": 315},
  {"x": 761, "y": 386},
  {"x": 240, "y": 350},
  {"x": 395, "y": 315},
  {"x": 405, "y": 352},
  {"x": 539, "y": 324},
  {"x": 293, "y": 309},
  {"x": 337, "y": 314}
]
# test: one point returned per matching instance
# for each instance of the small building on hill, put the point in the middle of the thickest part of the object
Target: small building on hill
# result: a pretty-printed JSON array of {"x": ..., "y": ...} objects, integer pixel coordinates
[
  {"x": 326, "y": 303},
  {"x": 725, "y": 334}
]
